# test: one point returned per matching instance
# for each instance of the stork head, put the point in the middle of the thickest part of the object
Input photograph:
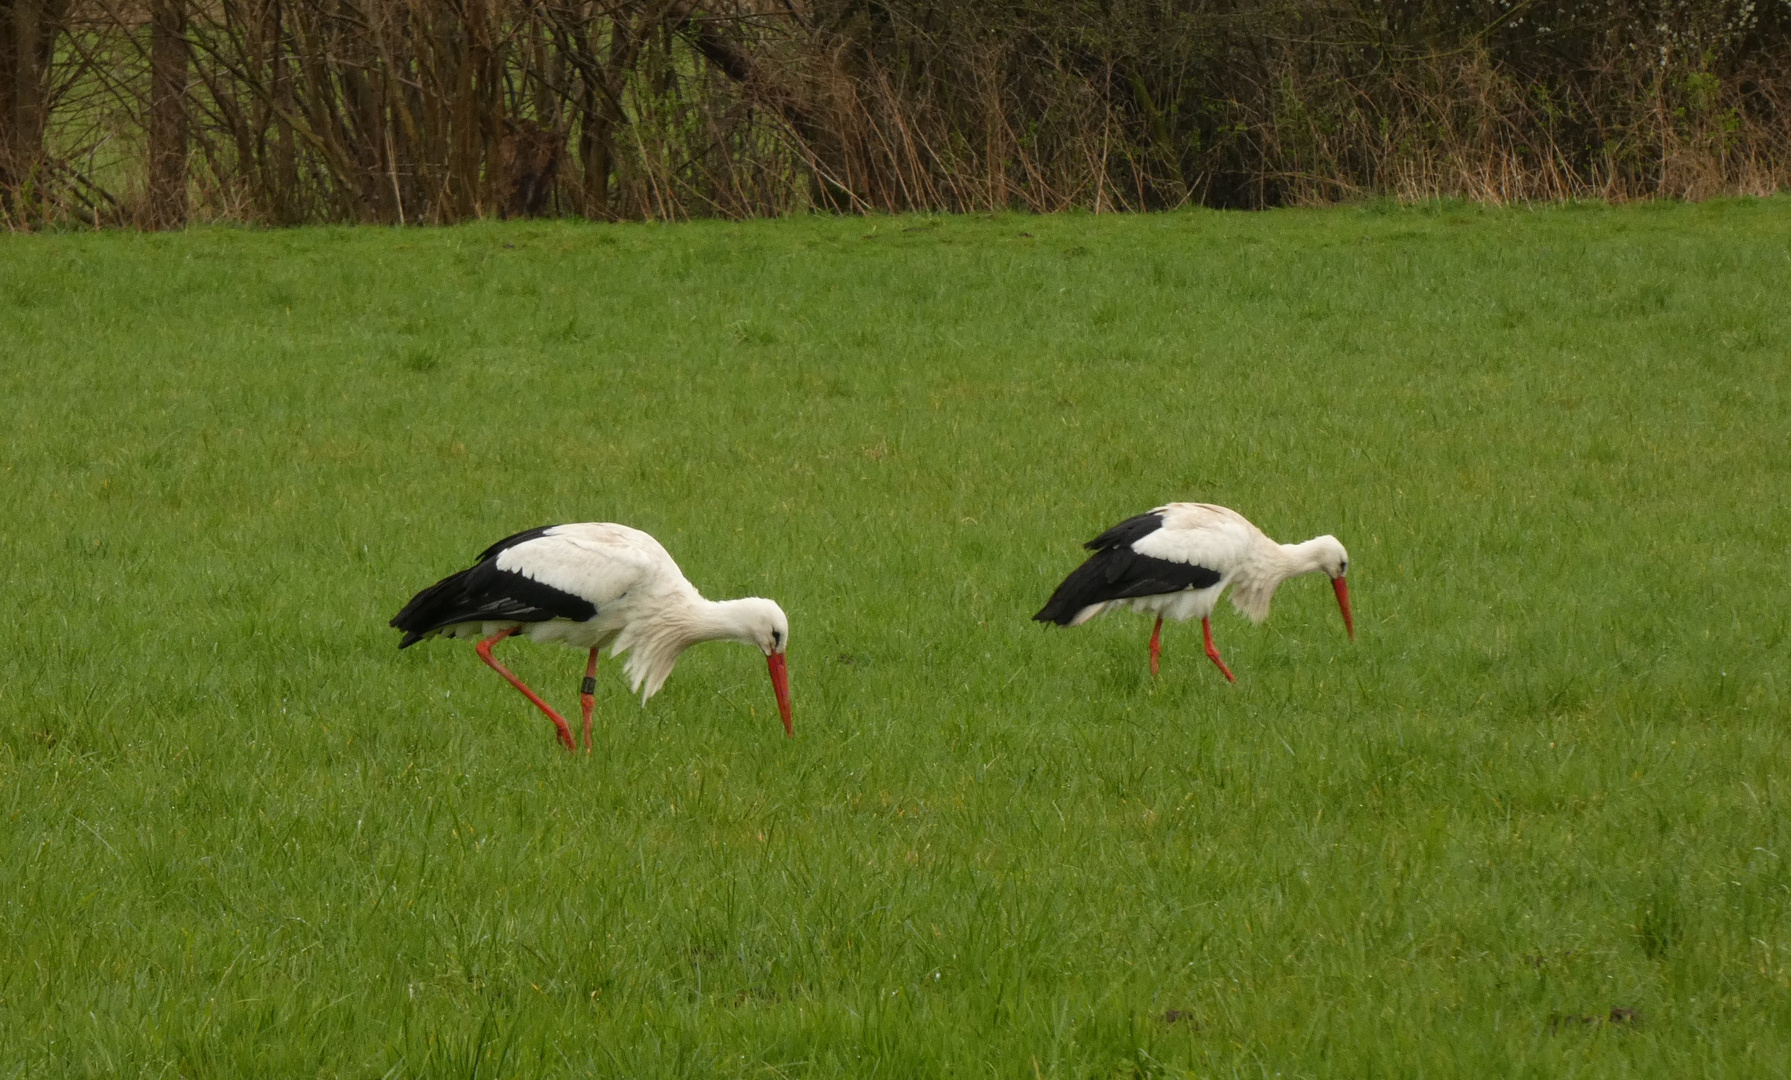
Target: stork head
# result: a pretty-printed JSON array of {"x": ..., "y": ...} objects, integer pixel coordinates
[
  {"x": 761, "y": 622},
  {"x": 758, "y": 621},
  {"x": 1329, "y": 556}
]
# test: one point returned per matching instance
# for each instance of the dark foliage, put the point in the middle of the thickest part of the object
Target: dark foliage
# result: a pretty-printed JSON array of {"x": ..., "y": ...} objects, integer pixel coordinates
[{"x": 287, "y": 111}]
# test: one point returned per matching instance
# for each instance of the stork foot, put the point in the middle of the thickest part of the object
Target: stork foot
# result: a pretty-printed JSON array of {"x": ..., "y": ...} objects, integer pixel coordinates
[
  {"x": 1212, "y": 652},
  {"x": 586, "y": 698},
  {"x": 559, "y": 722}
]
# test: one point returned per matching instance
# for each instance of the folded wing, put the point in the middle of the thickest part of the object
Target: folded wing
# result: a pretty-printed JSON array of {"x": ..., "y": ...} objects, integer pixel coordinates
[
  {"x": 537, "y": 575},
  {"x": 1130, "y": 560}
]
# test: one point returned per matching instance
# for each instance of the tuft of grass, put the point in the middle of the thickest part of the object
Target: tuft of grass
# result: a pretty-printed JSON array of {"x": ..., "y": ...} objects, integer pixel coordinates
[
  {"x": 1540, "y": 798},
  {"x": 420, "y": 359}
]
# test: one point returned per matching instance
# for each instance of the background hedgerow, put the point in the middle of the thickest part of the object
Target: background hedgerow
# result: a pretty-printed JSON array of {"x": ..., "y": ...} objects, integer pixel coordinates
[{"x": 286, "y": 111}]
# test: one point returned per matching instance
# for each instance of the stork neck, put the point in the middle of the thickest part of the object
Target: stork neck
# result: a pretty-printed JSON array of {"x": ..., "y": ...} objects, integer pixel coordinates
[
  {"x": 720, "y": 620},
  {"x": 1273, "y": 563},
  {"x": 1296, "y": 559}
]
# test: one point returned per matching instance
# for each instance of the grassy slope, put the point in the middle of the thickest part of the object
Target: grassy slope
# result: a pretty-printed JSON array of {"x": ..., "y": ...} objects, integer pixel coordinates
[{"x": 241, "y": 834}]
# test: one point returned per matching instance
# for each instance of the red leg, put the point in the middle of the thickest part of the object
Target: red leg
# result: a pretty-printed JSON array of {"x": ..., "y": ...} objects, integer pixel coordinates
[
  {"x": 1156, "y": 645},
  {"x": 484, "y": 651},
  {"x": 1206, "y": 628},
  {"x": 585, "y": 692}
]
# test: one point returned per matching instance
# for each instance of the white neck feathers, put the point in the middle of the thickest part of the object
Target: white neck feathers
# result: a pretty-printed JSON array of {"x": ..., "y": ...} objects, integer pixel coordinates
[
  {"x": 654, "y": 645},
  {"x": 1271, "y": 564}
]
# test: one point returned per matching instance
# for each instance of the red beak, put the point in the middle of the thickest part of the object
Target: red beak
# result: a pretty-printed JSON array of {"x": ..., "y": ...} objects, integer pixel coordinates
[
  {"x": 1342, "y": 592},
  {"x": 780, "y": 682}
]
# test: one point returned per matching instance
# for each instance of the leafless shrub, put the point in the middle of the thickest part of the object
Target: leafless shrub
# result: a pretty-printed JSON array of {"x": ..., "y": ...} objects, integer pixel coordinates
[{"x": 153, "y": 112}]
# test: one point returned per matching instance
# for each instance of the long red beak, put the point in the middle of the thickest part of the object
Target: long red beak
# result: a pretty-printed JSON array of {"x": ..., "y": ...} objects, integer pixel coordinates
[
  {"x": 780, "y": 682},
  {"x": 1342, "y": 592}
]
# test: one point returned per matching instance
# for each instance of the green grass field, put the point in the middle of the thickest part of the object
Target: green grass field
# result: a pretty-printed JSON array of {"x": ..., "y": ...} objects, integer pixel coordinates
[{"x": 242, "y": 835}]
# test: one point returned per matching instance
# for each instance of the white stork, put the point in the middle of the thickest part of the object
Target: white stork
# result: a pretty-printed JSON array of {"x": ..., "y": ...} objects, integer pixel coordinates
[
  {"x": 587, "y": 586},
  {"x": 1175, "y": 561}
]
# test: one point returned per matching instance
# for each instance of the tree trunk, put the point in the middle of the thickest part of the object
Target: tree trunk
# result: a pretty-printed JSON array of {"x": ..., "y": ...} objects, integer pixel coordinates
[
  {"x": 168, "y": 114},
  {"x": 21, "y": 94},
  {"x": 283, "y": 185}
]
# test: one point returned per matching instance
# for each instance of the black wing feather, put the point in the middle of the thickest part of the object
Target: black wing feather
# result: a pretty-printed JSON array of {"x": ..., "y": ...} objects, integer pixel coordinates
[
  {"x": 1116, "y": 572},
  {"x": 1127, "y": 532},
  {"x": 484, "y": 593},
  {"x": 515, "y": 538}
]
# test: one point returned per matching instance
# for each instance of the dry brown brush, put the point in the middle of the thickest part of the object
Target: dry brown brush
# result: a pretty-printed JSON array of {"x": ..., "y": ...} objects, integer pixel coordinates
[{"x": 156, "y": 112}]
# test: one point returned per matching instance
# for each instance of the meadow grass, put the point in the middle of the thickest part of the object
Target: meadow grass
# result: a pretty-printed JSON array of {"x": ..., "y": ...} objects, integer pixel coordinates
[{"x": 242, "y": 835}]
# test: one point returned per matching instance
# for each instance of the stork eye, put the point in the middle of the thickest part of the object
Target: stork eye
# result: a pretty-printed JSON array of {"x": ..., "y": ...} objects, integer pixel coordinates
[{"x": 777, "y": 637}]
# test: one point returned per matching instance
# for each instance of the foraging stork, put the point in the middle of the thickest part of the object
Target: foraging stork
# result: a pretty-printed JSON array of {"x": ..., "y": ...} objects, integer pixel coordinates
[
  {"x": 1175, "y": 561},
  {"x": 588, "y": 586}
]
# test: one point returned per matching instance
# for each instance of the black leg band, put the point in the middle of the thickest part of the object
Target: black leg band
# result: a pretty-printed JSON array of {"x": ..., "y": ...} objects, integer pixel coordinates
[{"x": 589, "y": 686}]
